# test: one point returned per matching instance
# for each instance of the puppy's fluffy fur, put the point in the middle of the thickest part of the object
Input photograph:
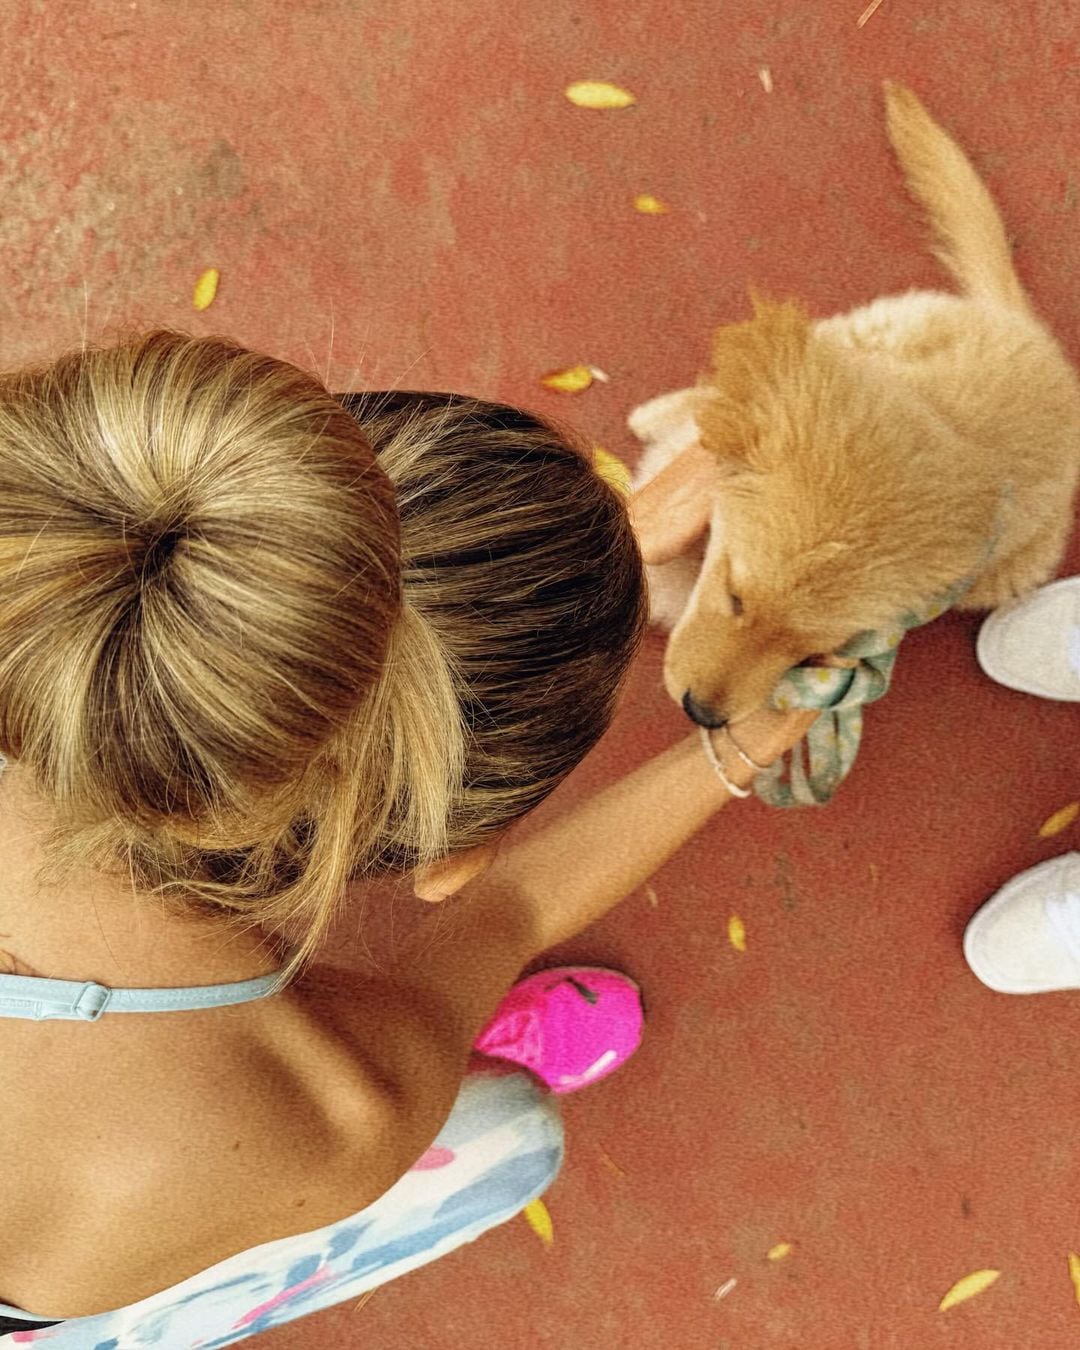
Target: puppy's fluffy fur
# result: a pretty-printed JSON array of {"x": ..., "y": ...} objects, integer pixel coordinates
[{"x": 867, "y": 462}]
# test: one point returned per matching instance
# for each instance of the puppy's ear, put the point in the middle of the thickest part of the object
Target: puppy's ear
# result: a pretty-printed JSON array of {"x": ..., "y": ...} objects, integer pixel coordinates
[
  {"x": 746, "y": 353},
  {"x": 672, "y": 510},
  {"x": 750, "y": 362},
  {"x": 780, "y": 315}
]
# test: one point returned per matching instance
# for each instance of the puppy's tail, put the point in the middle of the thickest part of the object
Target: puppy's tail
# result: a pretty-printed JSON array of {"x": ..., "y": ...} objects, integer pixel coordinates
[{"x": 970, "y": 236}]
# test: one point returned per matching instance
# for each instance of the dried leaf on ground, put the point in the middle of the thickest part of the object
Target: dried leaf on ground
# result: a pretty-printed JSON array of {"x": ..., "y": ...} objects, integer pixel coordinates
[
  {"x": 1060, "y": 820},
  {"x": 206, "y": 288},
  {"x": 612, "y": 470},
  {"x": 539, "y": 1220},
  {"x": 599, "y": 94},
  {"x": 779, "y": 1250},
  {"x": 572, "y": 380},
  {"x": 736, "y": 932},
  {"x": 968, "y": 1287},
  {"x": 764, "y": 74},
  {"x": 610, "y": 1162},
  {"x": 649, "y": 205},
  {"x": 1074, "y": 1274}
]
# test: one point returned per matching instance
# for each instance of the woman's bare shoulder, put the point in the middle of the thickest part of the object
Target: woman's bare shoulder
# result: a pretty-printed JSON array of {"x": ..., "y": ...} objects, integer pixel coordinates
[{"x": 213, "y": 1131}]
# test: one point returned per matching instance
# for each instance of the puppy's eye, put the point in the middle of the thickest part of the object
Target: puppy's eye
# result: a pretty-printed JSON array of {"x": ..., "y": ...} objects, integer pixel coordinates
[{"x": 736, "y": 605}]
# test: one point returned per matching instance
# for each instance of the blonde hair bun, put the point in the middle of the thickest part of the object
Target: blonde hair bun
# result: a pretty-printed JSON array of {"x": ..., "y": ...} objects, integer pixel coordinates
[{"x": 199, "y": 575}]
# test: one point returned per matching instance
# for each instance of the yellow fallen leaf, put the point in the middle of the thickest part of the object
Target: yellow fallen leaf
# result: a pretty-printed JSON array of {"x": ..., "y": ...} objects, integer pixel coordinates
[
  {"x": 736, "y": 932},
  {"x": 570, "y": 381},
  {"x": 968, "y": 1287},
  {"x": 649, "y": 205},
  {"x": 868, "y": 13},
  {"x": 779, "y": 1251},
  {"x": 206, "y": 288},
  {"x": 598, "y": 94},
  {"x": 610, "y": 1162},
  {"x": 1060, "y": 820},
  {"x": 1074, "y": 1274},
  {"x": 612, "y": 470},
  {"x": 539, "y": 1220}
]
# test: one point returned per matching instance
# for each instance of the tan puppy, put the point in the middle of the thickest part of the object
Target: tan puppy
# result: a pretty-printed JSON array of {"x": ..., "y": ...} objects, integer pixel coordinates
[{"x": 861, "y": 465}]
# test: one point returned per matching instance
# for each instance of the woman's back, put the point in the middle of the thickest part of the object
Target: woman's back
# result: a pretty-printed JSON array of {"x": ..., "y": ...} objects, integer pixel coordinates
[
  {"x": 305, "y": 1201},
  {"x": 138, "y": 1150}
]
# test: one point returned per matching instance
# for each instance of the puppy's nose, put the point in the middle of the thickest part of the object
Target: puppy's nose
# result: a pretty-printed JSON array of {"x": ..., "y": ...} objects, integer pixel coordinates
[{"x": 697, "y": 712}]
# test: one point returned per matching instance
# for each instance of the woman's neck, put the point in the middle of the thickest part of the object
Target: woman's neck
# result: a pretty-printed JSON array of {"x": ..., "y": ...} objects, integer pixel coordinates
[{"x": 91, "y": 926}]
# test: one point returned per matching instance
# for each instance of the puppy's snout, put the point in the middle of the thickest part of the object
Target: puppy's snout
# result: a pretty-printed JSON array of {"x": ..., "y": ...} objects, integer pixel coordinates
[{"x": 701, "y": 713}]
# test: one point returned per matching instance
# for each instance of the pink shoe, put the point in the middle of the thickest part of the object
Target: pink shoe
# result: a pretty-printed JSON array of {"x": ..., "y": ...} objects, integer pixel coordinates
[{"x": 570, "y": 1026}]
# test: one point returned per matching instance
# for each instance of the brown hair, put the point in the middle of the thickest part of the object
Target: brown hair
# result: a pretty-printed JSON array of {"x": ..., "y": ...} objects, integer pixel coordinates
[
  {"x": 208, "y": 661},
  {"x": 522, "y": 561}
]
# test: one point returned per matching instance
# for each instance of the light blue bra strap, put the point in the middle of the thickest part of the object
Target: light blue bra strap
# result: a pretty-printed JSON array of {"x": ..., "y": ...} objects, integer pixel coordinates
[{"x": 39, "y": 1000}]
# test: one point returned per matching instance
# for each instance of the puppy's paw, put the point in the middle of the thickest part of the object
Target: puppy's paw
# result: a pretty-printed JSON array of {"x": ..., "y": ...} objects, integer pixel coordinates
[{"x": 668, "y": 418}]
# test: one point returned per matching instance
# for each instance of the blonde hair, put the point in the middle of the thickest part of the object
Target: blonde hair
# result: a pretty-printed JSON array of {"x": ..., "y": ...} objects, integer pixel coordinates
[{"x": 210, "y": 665}]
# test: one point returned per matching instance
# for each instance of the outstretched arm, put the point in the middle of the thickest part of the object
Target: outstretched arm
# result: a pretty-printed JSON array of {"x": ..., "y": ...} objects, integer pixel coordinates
[{"x": 573, "y": 870}]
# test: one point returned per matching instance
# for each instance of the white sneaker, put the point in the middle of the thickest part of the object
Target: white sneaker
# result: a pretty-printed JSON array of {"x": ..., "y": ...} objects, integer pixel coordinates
[
  {"x": 1034, "y": 644},
  {"x": 1026, "y": 939}
]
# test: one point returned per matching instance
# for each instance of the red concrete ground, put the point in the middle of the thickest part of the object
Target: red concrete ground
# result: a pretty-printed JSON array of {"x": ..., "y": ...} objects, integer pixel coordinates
[{"x": 400, "y": 194}]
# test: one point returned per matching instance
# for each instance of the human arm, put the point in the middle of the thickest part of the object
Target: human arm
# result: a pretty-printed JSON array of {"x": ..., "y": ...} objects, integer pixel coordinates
[{"x": 573, "y": 870}]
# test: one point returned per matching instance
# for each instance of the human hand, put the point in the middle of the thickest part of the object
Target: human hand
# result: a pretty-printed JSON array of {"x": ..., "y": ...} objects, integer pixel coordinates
[
  {"x": 765, "y": 734},
  {"x": 672, "y": 510},
  {"x": 763, "y": 737}
]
